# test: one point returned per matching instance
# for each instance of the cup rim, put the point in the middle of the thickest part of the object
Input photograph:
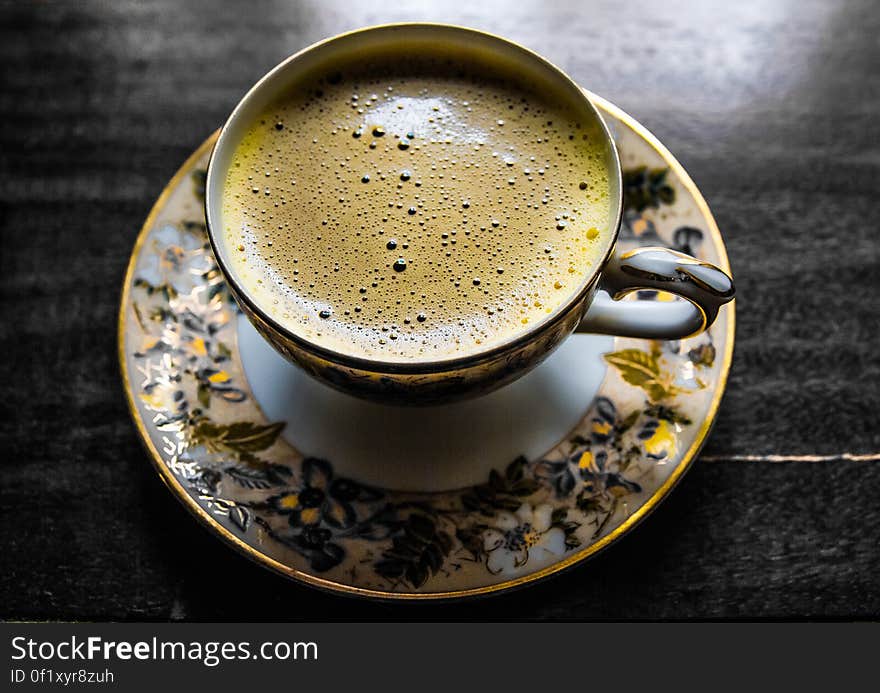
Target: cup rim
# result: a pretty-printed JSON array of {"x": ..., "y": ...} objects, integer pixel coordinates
[{"x": 414, "y": 366}]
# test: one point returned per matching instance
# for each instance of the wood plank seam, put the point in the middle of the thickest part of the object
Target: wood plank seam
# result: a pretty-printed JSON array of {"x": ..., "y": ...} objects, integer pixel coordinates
[{"x": 843, "y": 456}]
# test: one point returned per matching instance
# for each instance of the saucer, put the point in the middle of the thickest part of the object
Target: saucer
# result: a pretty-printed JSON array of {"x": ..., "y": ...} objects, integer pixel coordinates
[{"x": 416, "y": 503}]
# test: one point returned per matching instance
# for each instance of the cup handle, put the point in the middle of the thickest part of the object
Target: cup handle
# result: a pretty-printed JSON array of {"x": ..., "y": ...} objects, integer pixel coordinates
[{"x": 705, "y": 287}]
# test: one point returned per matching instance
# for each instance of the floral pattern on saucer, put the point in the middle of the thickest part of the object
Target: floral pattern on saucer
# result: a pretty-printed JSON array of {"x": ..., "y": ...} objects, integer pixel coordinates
[{"x": 192, "y": 404}]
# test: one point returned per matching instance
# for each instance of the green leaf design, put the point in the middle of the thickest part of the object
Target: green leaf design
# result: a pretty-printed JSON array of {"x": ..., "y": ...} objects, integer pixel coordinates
[
  {"x": 525, "y": 487},
  {"x": 196, "y": 227},
  {"x": 637, "y": 367},
  {"x": 569, "y": 529},
  {"x": 643, "y": 188},
  {"x": 572, "y": 541},
  {"x": 507, "y": 503},
  {"x": 588, "y": 503},
  {"x": 241, "y": 437},
  {"x": 703, "y": 355},
  {"x": 199, "y": 178},
  {"x": 138, "y": 316},
  {"x": 258, "y": 474},
  {"x": 162, "y": 314},
  {"x": 216, "y": 290},
  {"x": 502, "y": 491},
  {"x": 667, "y": 414},
  {"x": 628, "y": 422},
  {"x": 641, "y": 368},
  {"x": 167, "y": 290},
  {"x": 204, "y": 395},
  {"x": 496, "y": 482},
  {"x": 417, "y": 551},
  {"x": 470, "y": 501},
  {"x": 224, "y": 351},
  {"x": 516, "y": 469},
  {"x": 471, "y": 539}
]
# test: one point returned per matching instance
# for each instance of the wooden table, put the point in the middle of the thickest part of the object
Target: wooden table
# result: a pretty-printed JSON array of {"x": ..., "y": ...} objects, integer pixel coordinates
[{"x": 772, "y": 107}]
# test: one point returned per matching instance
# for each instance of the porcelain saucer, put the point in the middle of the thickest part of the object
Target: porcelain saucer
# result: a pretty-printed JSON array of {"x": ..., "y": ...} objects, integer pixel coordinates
[{"x": 434, "y": 502}]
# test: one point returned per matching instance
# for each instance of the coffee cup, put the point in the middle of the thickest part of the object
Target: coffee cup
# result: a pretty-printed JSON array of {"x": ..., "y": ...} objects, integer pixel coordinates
[{"x": 310, "y": 295}]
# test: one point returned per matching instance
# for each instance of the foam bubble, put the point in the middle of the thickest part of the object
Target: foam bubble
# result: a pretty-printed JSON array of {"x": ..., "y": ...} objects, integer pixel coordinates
[{"x": 443, "y": 212}]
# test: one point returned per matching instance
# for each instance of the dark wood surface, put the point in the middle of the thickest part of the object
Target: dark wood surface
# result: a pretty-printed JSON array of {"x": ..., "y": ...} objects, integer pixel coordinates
[{"x": 773, "y": 108}]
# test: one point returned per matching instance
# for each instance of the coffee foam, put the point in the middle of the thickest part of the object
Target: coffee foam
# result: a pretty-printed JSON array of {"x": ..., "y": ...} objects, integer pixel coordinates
[{"x": 419, "y": 208}]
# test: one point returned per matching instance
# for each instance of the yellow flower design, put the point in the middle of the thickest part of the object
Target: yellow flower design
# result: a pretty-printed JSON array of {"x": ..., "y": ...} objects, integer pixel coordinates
[{"x": 659, "y": 438}]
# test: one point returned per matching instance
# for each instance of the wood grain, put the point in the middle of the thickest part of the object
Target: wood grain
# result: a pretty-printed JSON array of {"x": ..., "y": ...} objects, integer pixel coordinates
[{"x": 771, "y": 106}]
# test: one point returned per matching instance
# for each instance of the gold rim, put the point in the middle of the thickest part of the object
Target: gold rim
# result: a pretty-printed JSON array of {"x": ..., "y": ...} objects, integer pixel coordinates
[{"x": 629, "y": 523}]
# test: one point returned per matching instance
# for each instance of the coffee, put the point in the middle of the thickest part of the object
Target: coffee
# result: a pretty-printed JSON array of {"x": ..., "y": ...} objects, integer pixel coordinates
[{"x": 402, "y": 207}]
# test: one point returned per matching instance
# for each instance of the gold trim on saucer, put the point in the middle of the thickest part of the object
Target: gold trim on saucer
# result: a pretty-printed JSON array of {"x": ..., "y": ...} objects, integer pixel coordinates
[{"x": 568, "y": 561}]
